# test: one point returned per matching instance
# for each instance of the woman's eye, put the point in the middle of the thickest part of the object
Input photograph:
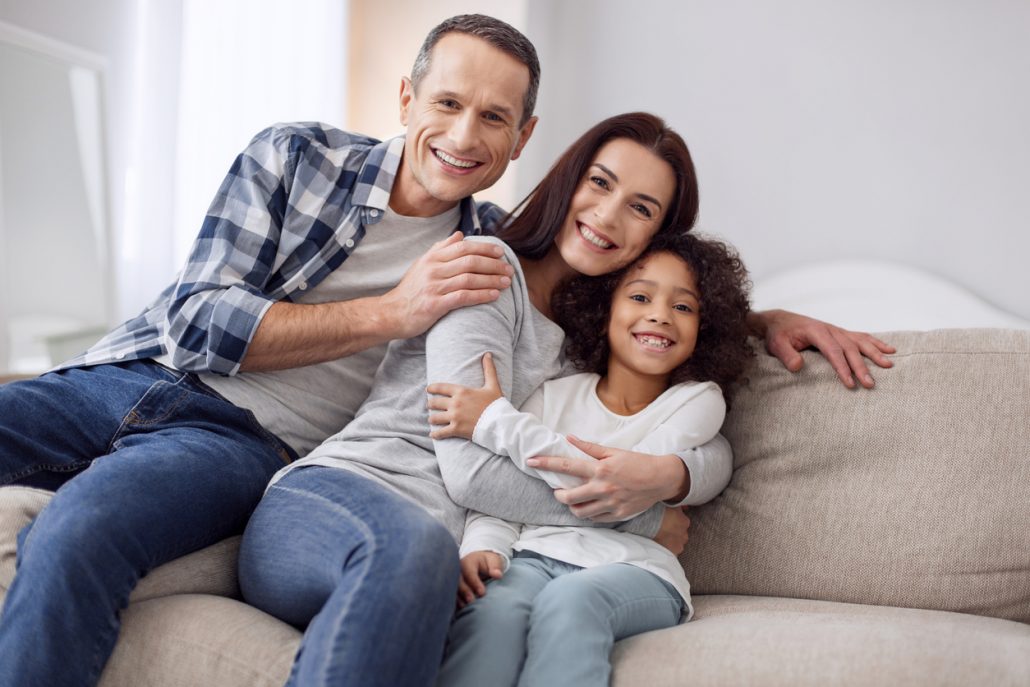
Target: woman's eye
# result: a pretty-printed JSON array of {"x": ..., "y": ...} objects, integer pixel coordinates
[
  {"x": 599, "y": 181},
  {"x": 643, "y": 210}
]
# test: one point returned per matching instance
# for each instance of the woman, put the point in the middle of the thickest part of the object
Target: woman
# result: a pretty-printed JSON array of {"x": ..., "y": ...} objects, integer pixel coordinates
[{"x": 357, "y": 540}]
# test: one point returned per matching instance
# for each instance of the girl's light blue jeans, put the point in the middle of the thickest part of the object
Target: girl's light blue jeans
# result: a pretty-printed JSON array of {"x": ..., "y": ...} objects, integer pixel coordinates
[
  {"x": 551, "y": 623},
  {"x": 370, "y": 576}
]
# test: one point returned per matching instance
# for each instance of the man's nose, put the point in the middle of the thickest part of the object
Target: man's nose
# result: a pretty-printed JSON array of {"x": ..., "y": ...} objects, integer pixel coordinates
[{"x": 464, "y": 131}]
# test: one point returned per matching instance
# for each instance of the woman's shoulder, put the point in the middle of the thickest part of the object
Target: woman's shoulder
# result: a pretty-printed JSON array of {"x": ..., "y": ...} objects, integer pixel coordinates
[{"x": 509, "y": 254}]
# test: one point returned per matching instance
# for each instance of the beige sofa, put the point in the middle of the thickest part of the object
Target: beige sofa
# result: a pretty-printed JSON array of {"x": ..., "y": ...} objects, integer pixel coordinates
[{"x": 866, "y": 538}]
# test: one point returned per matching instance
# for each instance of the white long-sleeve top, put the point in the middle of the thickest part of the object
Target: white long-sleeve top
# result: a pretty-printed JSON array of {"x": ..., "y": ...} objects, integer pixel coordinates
[{"x": 683, "y": 417}]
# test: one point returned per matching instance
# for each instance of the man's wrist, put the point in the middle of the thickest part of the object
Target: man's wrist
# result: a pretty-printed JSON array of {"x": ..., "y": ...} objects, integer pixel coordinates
[{"x": 758, "y": 322}]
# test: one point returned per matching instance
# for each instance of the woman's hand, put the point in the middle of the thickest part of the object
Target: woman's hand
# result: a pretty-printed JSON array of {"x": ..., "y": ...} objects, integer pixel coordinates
[
  {"x": 786, "y": 333},
  {"x": 461, "y": 406},
  {"x": 674, "y": 530},
  {"x": 619, "y": 484},
  {"x": 476, "y": 567}
]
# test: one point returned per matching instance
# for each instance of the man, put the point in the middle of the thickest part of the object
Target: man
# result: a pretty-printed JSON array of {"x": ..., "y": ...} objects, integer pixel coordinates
[{"x": 320, "y": 247}]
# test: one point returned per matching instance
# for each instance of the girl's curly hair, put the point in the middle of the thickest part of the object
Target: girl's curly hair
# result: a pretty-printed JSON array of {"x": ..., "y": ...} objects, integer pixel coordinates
[{"x": 582, "y": 307}]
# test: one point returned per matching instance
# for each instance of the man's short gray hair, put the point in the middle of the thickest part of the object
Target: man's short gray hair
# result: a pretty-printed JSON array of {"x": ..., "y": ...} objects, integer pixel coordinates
[{"x": 495, "y": 32}]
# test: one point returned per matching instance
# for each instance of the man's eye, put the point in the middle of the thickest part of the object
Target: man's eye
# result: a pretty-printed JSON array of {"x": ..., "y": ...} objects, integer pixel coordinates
[
  {"x": 451, "y": 104},
  {"x": 493, "y": 117}
]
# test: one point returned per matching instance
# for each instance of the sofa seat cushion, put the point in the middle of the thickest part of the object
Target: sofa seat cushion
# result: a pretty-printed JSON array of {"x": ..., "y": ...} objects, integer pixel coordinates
[
  {"x": 197, "y": 639},
  {"x": 209, "y": 571},
  {"x": 742, "y": 640}
]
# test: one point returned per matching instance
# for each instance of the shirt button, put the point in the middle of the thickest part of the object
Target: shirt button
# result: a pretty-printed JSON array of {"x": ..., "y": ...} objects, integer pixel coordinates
[
  {"x": 349, "y": 243},
  {"x": 374, "y": 213},
  {"x": 119, "y": 356},
  {"x": 303, "y": 286}
]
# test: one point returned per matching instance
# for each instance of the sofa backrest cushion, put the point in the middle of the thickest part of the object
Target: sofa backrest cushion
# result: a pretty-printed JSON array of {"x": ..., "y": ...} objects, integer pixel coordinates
[{"x": 915, "y": 493}]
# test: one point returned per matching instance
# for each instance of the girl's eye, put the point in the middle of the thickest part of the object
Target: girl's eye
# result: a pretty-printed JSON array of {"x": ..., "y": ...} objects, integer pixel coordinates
[
  {"x": 639, "y": 298},
  {"x": 683, "y": 308},
  {"x": 599, "y": 181}
]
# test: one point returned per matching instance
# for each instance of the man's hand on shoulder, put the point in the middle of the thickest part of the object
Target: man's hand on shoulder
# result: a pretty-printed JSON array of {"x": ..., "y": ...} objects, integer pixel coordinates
[
  {"x": 786, "y": 333},
  {"x": 452, "y": 274}
]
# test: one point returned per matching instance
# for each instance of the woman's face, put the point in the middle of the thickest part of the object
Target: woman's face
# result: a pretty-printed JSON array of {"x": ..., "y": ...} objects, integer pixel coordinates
[{"x": 618, "y": 206}]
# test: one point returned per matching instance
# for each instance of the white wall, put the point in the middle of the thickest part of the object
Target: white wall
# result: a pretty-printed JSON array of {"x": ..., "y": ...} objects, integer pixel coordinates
[
  {"x": 892, "y": 129},
  {"x": 141, "y": 103}
]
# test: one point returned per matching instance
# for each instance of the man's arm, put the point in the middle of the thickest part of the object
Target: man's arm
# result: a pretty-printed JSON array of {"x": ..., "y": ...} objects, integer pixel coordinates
[
  {"x": 452, "y": 274},
  {"x": 225, "y": 310},
  {"x": 786, "y": 333}
]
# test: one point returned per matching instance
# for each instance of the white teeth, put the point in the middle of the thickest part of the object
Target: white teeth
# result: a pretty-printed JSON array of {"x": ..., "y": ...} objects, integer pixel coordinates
[
  {"x": 594, "y": 238},
  {"x": 454, "y": 161},
  {"x": 656, "y": 341}
]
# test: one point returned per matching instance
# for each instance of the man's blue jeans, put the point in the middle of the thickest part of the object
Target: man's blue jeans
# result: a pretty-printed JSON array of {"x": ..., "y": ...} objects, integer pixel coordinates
[
  {"x": 371, "y": 576},
  {"x": 151, "y": 465}
]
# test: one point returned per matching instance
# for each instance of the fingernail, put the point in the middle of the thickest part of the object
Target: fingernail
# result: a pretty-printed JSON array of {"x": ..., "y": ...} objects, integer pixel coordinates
[
  {"x": 532, "y": 462},
  {"x": 868, "y": 380},
  {"x": 506, "y": 281}
]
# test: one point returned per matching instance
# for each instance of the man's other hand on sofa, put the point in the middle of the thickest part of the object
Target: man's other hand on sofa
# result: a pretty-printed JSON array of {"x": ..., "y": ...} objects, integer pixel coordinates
[{"x": 786, "y": 333}]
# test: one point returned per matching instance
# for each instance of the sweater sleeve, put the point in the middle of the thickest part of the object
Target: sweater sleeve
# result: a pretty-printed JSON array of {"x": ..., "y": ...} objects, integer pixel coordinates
[
  {"x": 521, "y": 435},
  {"x": 692, "y": 432},
  {"x": 486, "y": 533},
  {"x": 476, "y": 477}
]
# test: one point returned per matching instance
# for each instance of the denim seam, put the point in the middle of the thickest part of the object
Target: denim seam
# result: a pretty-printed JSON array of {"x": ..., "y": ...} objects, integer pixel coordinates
[
  {"x": 367, "y": 533},
  {"x": 10, "y": 478},
  {"x": 133, "y": 418}
]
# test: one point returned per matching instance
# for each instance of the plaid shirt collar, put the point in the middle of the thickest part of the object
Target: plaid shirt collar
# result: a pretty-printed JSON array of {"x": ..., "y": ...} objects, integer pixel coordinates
[{"x": 375, "y": 183}]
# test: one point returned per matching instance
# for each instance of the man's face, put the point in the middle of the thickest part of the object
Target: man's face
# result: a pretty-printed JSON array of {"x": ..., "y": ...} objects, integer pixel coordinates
[{"x": 463, "y": 125}]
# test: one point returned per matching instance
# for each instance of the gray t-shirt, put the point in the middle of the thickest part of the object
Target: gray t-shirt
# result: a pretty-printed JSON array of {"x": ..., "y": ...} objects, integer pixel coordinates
[
  {"x": 304, "y": 405},
  {"x": 388, "y": 440}
]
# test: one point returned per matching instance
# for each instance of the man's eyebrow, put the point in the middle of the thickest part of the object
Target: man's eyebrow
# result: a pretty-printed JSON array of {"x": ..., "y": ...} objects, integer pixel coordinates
[
  {"x": 654, "y": 285},
  {"x": 615, "y": 178},
  {"x": 493, "y": 107}
]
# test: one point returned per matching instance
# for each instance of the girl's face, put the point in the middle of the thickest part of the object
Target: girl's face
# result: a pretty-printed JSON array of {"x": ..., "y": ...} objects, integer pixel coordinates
[
  {"x": 655, "y": 316},
  {"x": 618, "y": 206}
]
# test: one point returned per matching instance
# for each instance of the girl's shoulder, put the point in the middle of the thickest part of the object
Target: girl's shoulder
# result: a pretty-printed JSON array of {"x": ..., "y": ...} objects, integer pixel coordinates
[{"x": 677, "y": 394}]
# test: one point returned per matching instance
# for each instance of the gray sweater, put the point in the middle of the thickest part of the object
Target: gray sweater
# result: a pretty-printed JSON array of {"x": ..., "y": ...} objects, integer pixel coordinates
[{"x": 388, "y": 440}]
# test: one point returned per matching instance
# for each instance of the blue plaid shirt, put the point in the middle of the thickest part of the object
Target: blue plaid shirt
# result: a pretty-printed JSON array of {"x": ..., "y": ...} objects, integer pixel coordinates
[{"x": 292, "y": 208}]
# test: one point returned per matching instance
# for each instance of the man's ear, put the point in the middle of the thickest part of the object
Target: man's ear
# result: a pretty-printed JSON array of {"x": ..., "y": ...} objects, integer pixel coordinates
[
  {"x": 406, "y": 98},
  {"x": 524, "y": 134}
]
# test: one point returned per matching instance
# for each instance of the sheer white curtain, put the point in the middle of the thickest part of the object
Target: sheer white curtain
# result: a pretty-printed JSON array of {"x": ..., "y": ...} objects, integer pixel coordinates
[{"x": 247, "y": 64}]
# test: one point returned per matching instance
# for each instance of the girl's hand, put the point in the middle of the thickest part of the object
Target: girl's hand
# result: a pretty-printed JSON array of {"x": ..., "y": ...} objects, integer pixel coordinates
[
  {"x": 476, "y": 567},
  {"x": 461, "y": 406}
]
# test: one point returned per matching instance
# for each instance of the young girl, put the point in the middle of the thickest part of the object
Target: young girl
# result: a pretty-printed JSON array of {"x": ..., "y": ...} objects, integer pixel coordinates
[{"x": 674, "y": 332}]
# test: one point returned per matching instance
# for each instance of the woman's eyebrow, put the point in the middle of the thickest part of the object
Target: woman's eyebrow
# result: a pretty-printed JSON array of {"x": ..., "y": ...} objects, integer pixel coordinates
[{"x": 615, "y": 178}]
